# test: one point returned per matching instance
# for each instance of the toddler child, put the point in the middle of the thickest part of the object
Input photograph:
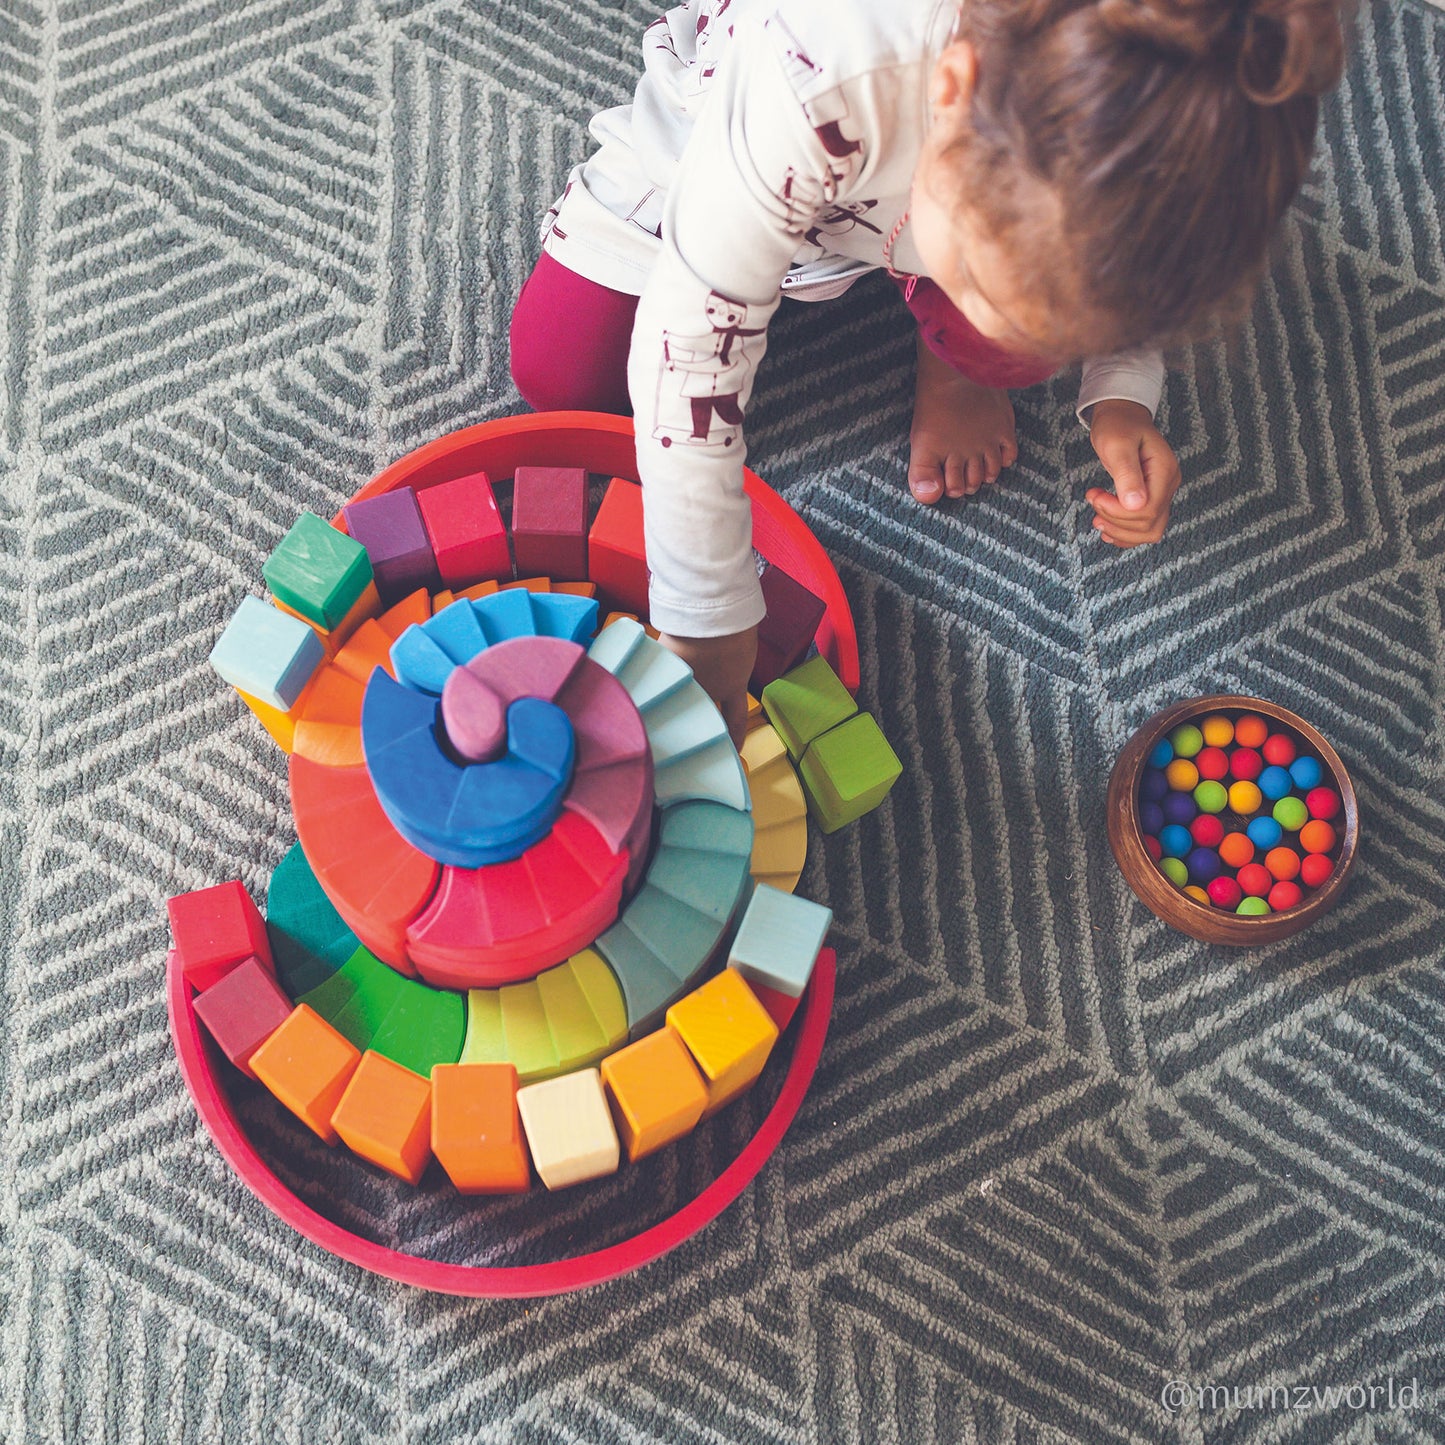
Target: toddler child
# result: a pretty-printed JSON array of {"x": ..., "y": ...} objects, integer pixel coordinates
[{"x": 1045, "y": 180}]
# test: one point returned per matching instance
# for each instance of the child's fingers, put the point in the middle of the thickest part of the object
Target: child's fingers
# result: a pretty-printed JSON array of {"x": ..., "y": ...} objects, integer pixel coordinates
[{"x": 1121, "y": 460}]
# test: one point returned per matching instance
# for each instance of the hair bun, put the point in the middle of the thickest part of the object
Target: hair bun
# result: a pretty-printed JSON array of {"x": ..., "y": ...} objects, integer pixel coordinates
[{"x": 1280, "y": 49}]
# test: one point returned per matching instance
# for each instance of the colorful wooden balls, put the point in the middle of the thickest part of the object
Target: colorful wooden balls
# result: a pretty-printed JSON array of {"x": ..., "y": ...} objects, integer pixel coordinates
[
  {"x": 1250, "y": 730},
  {"x": 1245, "y": 764},
  {"x": 1306, "y": 772},
  {"x": 1225, "y": 892},
  {"x": 1186, "y": 740},
  {"x": 1161, "y": 754},
  {"x": 1183, "y": 776},
  {"x": 1203, "y": 865},
  {"x": 1291, "y": 814},
  {"x": 1322, "y": 802},
  {"x": 1151, "y": 818},
  {"x": 1317, "y": 836},
  {"x": 1153, "y": 847},
  {"x": 1255, "y": 879},
  {"x": 1175, "y": 871},
  {"x": 1314, "y": 868},
  {"x": 1212, "y": 797},
  {"x": 1195, "y": 892},
  {"x": 1217, "y": 730},
  {"x": 1274, "y": 783},
  {"x": 1245, "y": 797},
  {"x": 1174, "y": 839},
  {"x": 1237, "y": 850},
  {"x": 1179, "y": 808},
  {"x": 1264, "y": 832},
  {"x": 1208, "y": 829},
  {"x": 1284, "y": 895},
  {"x": 1283, "y": 864},
  {"x": 1279, "y": 749},
  {"x": 1252, "y": 907},
  {"x": 1153, "y": 785},
  {"x": 1213, "y": 763}
]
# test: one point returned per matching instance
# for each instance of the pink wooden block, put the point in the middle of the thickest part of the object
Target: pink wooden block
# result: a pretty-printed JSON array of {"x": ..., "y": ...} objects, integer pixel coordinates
[
  {"x": 215, "y": 929},
  {"x": 787, "y": 632},
  {"x": 549, "y": 522},
  {"x": 473, "y": 717},
  {"x": 243, "y": 1010},
  {"x": 466, "y": 531}
]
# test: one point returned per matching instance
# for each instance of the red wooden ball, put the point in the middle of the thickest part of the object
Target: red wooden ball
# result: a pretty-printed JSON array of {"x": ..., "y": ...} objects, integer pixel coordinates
[
  {"x": 1207, "y": 830},
  {"x": 1322, "y": 802},
  {"x": 1224, "y": 892},
  {"x": 1255, "y": 879},
  {"x": 1153, "y": 847},
  {"x": 1284, "y": 895},
  {"x": 1213, "y": 764},
  {"x": 1314, "y": 869},
  {"x": 1279, "y": 750},
  {"x": 1245, "y": 765}
]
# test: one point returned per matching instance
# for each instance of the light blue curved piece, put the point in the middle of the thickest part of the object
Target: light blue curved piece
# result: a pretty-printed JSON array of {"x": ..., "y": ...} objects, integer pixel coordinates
[
  {"x": 616, "y": 643},
  {"x": 457, "y": 632},
  {"x": 419, "y": 663},
  {"x": 651, "y": 673},
  {"x": 562, "y": 614},
  {"x": 505, "y": 614},
  {"x": 466, "y": 815}
]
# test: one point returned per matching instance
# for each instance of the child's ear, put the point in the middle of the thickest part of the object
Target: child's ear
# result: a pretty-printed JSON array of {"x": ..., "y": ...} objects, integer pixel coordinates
[{"x": 955, "y": 74}]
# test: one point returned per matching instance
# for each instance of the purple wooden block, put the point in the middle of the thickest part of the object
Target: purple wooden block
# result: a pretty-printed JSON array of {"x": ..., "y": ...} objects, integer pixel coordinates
[
  {"x": 787, "y": 632},
  {"x": 391, "y": 529},
  {"x": 243, "y": 1010}
]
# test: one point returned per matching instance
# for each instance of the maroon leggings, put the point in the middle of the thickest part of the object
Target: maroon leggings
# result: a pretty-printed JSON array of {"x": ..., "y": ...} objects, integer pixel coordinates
[{"x": 570, "y": 338}]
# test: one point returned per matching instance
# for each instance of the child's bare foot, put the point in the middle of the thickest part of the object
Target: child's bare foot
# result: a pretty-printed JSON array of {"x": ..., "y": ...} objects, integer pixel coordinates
[{"x": 963, "y": 434}]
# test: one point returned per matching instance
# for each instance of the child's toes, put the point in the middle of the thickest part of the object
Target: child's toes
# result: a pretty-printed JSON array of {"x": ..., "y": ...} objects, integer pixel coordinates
[
  {"x": 976, "y": 473},
  {"x": 925, "y": 481},
  {"x": 1008, "y": 452},
  {"x": 957, "y": 476}
]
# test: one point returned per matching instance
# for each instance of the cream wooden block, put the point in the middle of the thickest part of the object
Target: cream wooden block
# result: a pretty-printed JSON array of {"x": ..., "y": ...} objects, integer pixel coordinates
[{"x": 569, "y": 1129}]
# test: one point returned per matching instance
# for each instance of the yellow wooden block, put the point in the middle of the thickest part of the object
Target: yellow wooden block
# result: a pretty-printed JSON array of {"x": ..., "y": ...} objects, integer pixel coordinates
[
  {"x": 780, "y": 823},
  {"x": 656, "y": 1092},
  {"x": 385, "y": 1116},
  {"x": 367, "y": 605},
  {"x": 728, "y": 1033},
  {"x": 779, "y": 852},
  {"x": 569, "y": 1129},
  {"x": 281, "y": 725},
  {"x": 755, "y": 711}
]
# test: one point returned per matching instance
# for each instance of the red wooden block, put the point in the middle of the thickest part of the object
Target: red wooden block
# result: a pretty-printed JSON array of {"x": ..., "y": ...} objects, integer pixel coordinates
[
  {"x": 787, "y": 632},
  {"x": 215, "y": 930},
  {"x": 243, "y": 1010},
  {"x": 374, "y": 878},
  {"x": 549, "y": 522},
  {"x": 781, "y": 1006},
  {"x": 466, "y": 530},
  {"x": 616, "y": 560}
]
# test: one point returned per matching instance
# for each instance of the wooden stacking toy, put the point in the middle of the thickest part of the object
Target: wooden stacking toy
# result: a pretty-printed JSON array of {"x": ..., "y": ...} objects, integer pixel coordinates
[{"x": 540, "y": 911}]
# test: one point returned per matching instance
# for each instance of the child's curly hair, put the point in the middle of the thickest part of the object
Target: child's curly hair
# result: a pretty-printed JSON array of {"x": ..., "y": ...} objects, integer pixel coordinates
[{"x": 1171, "y": 133}]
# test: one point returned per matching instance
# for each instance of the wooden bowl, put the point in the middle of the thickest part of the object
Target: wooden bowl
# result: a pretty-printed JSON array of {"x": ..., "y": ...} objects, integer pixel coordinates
[{"x": 1158, "y": 894}]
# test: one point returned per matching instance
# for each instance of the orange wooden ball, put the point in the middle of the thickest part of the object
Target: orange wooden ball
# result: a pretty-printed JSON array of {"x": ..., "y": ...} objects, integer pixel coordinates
[
  {"x": 1236, "y": 850},
  {"x": 1283, "y": 864},
  {"x": 1250, "y": 730},
  {"x": 1317, "y": 836}
]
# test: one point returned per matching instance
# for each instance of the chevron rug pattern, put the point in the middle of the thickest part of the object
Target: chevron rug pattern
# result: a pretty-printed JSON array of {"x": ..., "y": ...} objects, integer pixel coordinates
[{"x": 1056, "y": 1156}]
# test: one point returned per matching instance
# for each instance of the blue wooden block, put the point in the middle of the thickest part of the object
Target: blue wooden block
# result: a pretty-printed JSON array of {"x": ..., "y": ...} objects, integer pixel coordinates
[
  {"x": 652, "y": 672},
  {"x": 467, "y": 815},
  {"x": 267, "y": 653},
  {"x": 683, "y": 937},
  {"x": 714, "y": 772},
  {"x": 616, "y": 643},
  {"x": 419, "y": 663},
  {"x": 684, "y": 722},
  {"x": 707, "y": 881},
  {"x": 648, "y": 985},
  {"x": 505, "y": 614},
  {"x": 778, "y": 940},
  {"x": 560, "y": 614},
  {"x": 457, "y": 632},
  {"x": 711, "y": 826}
]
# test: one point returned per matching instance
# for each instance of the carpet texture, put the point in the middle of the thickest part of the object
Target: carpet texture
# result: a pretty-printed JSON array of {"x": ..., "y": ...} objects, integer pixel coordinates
[{"x": 1056, "y": 1156}]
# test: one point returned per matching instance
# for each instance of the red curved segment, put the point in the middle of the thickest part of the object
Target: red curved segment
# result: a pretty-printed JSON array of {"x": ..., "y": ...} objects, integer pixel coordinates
[
  {"x": 510, "y": 921},
  {"x": 376, "y": 880}
]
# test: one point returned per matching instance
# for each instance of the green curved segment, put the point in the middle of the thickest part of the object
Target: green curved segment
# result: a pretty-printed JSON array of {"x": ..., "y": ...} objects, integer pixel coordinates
[{"x": 309, "y": 941}]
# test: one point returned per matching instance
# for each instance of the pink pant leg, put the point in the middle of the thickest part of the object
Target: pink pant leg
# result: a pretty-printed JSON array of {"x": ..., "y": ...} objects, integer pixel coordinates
[
  {"x": 951, "y": 337},
  {"x": 570, "y": 338}
]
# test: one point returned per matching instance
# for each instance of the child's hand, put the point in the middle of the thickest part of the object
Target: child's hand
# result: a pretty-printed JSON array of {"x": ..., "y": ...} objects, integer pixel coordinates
[
  {"x": 722, "y": 665},
  {"x": 1144, "y": 469}
]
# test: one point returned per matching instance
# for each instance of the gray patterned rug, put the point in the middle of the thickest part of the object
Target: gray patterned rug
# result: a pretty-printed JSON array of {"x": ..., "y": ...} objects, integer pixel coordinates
[{"x": 1056, "y": 1156}]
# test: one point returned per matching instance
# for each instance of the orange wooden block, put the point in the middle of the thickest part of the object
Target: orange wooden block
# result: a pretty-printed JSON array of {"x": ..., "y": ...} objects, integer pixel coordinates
[
  {"x": 307, "y": 1065},
  {"x": 374, "y": 878},
  {"x": 385, "y": 1116},
  {"x": 365, "y": 606},
  {"x": 476, "y": 1129},
  {"x": 414, "y": 607},
  {"x": 328, "y": 729},
  {"x": 477, "y": 589},
  {"x": 615, "y": 558},
  {"x": 529, "y": 584},
  {"x": 442, "y": 599},
  {"x": 368, "y": 649},
  {"x": 655, "y": 1092},
  {"x": 281, "y": 725},
  {"x": 728, "y": 1032},
  {"x": 576, "y": 589}
]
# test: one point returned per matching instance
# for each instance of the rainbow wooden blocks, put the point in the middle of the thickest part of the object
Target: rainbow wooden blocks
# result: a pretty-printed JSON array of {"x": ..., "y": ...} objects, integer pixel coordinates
[
  {"x": 476, "y": 1128},
  {"x": 242, "y": 1011},
  {"x": 616, "y": 561},
  {"x": 728, "y": 1032},
  {"x": 778, "y": 940},
  {"x": 569, "y": 1129},
  {"x": 318, "y": 572},
  {"x": 267, "y": 655},
  {"x": 549, "y": 522},
  {"x": 384, "y": 1114},
  {"x": 215, "y": 930},
  {"x": 390, "y": 528},
  {"x": 656, "y": 1092},
  {"x": 307, "y": 1065},
  {"x": 467, "y": 534},
  {"x": 787, "y": 630}
]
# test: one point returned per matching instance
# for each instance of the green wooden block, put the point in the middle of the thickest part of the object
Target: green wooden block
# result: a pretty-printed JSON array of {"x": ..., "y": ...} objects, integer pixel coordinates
[
  {"x": 577, "y": 1036},
  {"x": 318, "y": 571},
  {"x": 848, "y": 771},
  {"x": 529, "y": 1040},
  {"x": 485, "y": 1042},
  {"x": 708, "y": 882},
  {"x": 713, "y": 827},
  {"x": 424, "y": 1027},
  {"x": 356, "y": 999},
  {"x": 806, "y": 703},
  {"x": 778, "y": 940},
  {"x": 603, "y": 994},
  {"x": 309, "y": 941}
]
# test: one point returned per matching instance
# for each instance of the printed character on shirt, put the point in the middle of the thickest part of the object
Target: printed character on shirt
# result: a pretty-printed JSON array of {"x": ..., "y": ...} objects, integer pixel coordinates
[{"x": 714, "y": 370}]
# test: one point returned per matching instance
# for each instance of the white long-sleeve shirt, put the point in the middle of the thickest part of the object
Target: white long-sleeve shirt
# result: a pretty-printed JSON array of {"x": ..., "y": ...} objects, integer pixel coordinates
[{"x": 770, "y": 148}]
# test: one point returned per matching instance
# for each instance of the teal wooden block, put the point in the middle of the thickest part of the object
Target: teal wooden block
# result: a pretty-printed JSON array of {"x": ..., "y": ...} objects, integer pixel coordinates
[
  {"x": 714, "y": 772},
  {"x": 560, "y": 614},
  {"x": 309, "y": 940},
  {"x": 848, "y": 771},
  {"x": 420, "y": 663},
  {"x": 616, "y": 643},
  {"x": 318, "y": 570},
  {"x": 806, "y": 703},
  {"x": 648, "y": 985},
  {"x": 778, "y": 940},
  {"x": 710, "y": 826},
  {"x": 682, "y": 936},
  {"x": 457, "y": 632},
  {"x": 267, "y": 653},
  {"x": 707, "y": 881},
  {"x": 682, "y": 723},
  {"x": 651, "y": 673},
  {"x": 424, "y": 1026},
  {"x": 357, "y": 998},
  {"x": 505, "y": 614}
]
